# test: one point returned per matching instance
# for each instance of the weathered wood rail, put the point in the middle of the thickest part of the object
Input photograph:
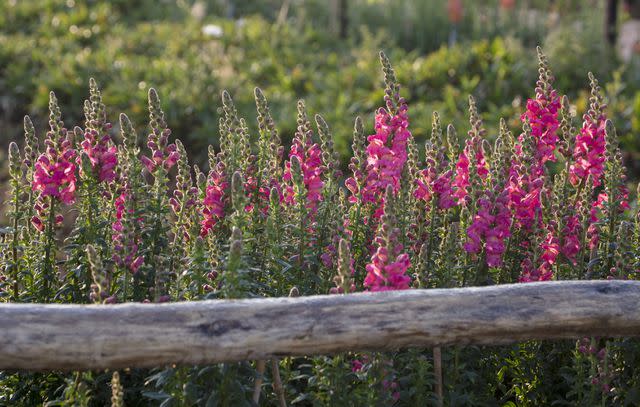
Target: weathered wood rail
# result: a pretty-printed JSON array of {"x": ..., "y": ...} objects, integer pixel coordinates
[{"x": 77, "y": 337}]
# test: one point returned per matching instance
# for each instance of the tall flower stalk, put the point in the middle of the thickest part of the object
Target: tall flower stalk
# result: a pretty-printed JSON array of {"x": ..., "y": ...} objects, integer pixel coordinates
[
  {"x": 54, "y": 180},
  {"x": 388, "y": 266}
]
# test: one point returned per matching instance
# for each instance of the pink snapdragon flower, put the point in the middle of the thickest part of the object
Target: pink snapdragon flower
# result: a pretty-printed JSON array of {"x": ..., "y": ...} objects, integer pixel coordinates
[
  {"x": 435, "y": 182},
  {"x": 490, "y": 225},
  {"x": 461, "y": 181},
  {"x": 102, "y": 154},
  {"x": 589, "y": 152},
  {"x": 54, "y": 176},
  {"x": 550, "y": 250},
  {"x": 384, "y": 274},
  {"x": 443, "y": 188},
  {"x": 162, "y": 153},
  {"x": 480, "y": 225},
  {"x": 310, "y": 156},
  {"x": 54, "y": 173},
  {"x": 388, "y": 266},
  {"x": 386, "y": 155},
  {"x": 423, "y": 189},
  {"x": 265, "y": 194},
  {"x": 215, "y": 197},
  {"x": 571, "y": 238},
  {"x": 472, "y": 158},
  {"x": 542, "y": 114},
  {"x": 482, "y": 167},
  {"x": 357, "y": 179},
  {"x": 527, "y": 172},
  {"x": 125, "y": 243},
  {"x": 524, "y": 193}
]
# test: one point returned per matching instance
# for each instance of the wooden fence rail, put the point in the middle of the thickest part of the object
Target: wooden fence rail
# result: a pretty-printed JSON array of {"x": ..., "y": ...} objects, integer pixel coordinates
[{"x": 78, "y": 337}]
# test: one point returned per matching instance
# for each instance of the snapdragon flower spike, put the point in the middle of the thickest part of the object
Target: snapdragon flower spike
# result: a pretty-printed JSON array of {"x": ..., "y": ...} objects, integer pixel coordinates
[
  {"x": 330, "y": 157},
  {"x": 97, "y": 144},
  {"x": 270, "y": 153},
  {"x": 388, "y": 267},
  {"x": 436, "y": 180},
  {"x": 387, "y": 149},
  {"x": 55, "y": 170},
  {"x": 235, "y": 147},
  {"x": 525, "y": 182},
  {"x": 357, "y": 163},
  {"x": 550, "y": 250},
  {"x": 542, "y": 115},
  {"x": 589, "y": 152},
  {"x": 31, "y": 148},
  {"x": 491, "y": 225},
  {"x": 571, "y": 232},
  {"x": 489, "y": 228},
  {"x": 185, "y": 194},
  {"x": 344, "y": 279},
  {"x": 125, "y": 242},
  {"x": 472, "y": 167},
  {"x": 163, "y": 153},
  {"x": 461, "y": 180},
  {"x": 443, "y": 184},
  {"x": 101, "y": 153},
  {"x": 214, "y": 202},
  {"x": 615, "y": 176},
  {"x": 126, "y": 228},
  {"x": 477, "y": 135},
  {"x": 386, "y": 156},
  {"x": 309, "y": 155}
]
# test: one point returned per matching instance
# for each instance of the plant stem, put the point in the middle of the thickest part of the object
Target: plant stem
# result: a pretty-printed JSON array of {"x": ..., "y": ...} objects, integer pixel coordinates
[
  {"x": 49, "y": 251},
  {"x": 437, "y": 371},
  {"x": 277, "y": 382}
]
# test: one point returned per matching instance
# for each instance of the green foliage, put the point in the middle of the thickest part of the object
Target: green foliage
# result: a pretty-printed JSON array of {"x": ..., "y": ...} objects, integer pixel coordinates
[{"x": 54, "y": 45}]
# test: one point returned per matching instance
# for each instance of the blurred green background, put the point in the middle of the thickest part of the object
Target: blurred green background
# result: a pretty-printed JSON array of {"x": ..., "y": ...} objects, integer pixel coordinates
[{"x": 190, "y": 50}]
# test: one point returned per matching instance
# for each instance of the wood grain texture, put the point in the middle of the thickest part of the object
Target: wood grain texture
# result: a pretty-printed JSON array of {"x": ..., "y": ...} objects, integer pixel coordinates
[{"x": 78, "y": 337}]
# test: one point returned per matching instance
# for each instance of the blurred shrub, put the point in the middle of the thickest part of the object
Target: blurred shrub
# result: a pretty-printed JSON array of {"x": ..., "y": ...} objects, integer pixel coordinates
[{"x": 57, "y": 45}]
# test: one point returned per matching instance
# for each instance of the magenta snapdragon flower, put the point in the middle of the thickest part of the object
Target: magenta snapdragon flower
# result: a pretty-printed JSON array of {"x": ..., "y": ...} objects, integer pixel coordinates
[
  {"x": 526, "y": 175},
  {"x": 435, "y": 183},
  {"x": 482, "y": 167},
  {"x": 310, "y": 156},
  {"x": 571, "y": 238},
  {"x": 386, "y": 155},
  {"x": 54, "y": 176},
  {"x": 542, "y": 114},
  {"x": 550, "y": 250},
  {"x": 387, "y": 271},
  {"x": 589, "y": 152},
  {"x": 162, "y": 153},
  {"x": 490, "y": 225},
  {"x": 423, "y": 189},
  {"x": 443, "y": 188},
  {"x": 524, "y": 193},
  {"x": 125, "y": 245},
  {"x": 102, "y": 154},
  {"x": 461, "y": 181},
  {"x": 213, "y": 203},
  {"x": 482, "y": 221},
  {"x": 388, "y": 267},
  {"x": 471, "y": 158}
]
